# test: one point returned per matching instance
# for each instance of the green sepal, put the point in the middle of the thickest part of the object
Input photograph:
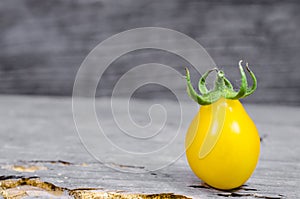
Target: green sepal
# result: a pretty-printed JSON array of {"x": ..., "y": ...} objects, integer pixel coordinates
[
  {"x": 254, "y": 82},
  {"x": 223, "y": 87},
  {"x": 201, "y": 85}
]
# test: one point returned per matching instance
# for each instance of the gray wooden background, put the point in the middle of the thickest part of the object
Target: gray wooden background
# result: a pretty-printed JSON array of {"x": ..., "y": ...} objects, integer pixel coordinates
[{"x": 44, "y": 42}]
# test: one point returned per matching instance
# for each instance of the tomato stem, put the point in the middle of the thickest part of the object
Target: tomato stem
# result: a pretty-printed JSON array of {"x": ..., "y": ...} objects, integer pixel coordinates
[{"x": 223, "y": 87}]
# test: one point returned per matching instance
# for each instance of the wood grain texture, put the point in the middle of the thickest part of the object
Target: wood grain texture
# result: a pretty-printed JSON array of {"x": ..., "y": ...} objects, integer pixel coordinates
[
  {"x": 39, "y": 133},
  {"x": 44, "y": 43}
]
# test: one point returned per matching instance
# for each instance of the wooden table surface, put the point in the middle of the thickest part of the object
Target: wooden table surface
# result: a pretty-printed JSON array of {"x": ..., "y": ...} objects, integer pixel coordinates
[{"x": 42, "y": 155}]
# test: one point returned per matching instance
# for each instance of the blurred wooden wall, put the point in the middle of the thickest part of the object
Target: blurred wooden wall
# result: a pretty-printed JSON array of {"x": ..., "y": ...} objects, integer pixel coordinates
[{"x": 44, "y": 42}]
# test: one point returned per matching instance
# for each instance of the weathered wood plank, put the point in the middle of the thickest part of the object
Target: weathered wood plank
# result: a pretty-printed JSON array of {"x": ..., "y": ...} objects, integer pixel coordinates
[
  {"x": 38, "y": 132},
  {"x": 43, "y": 44}
]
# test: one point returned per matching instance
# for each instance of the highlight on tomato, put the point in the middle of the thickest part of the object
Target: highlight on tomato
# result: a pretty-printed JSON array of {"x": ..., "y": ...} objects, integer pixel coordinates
[{"x": 222, "y": 142}]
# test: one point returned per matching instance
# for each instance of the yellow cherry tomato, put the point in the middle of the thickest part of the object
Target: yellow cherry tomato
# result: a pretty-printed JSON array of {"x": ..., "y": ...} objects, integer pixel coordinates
[{"x": 222, "y": 142}]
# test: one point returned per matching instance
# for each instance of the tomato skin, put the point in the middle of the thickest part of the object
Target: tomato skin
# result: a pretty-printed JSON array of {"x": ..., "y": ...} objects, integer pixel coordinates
[{"x": 232, "y": 152}]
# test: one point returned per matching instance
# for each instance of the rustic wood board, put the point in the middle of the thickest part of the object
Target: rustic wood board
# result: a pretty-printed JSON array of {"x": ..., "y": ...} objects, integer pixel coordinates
[
  {"x": 44, "y": 43},
  {"x": 39, "y": 141}
]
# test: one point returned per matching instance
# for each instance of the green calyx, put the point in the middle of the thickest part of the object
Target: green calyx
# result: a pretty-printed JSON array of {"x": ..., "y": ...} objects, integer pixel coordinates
[{"x": 222, "y": 88}]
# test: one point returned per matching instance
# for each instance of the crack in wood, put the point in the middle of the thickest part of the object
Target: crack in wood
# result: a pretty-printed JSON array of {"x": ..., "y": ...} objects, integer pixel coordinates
[
  {"x": 199, "y": 186},
  {"x": 243, "y": 191},
  {"x": 49, "y": 161},
  {"x": 127, "y": 166},
  {"x": 14, "y": 177},
  {"x": 15, "y": 187},
  {"x": 255, "y": 195}
]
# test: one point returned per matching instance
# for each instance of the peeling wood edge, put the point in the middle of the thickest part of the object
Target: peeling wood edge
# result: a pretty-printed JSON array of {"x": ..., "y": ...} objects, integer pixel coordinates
[
  {"x": 80, "y": 193},
  {"x": 11, "y": 182}
]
